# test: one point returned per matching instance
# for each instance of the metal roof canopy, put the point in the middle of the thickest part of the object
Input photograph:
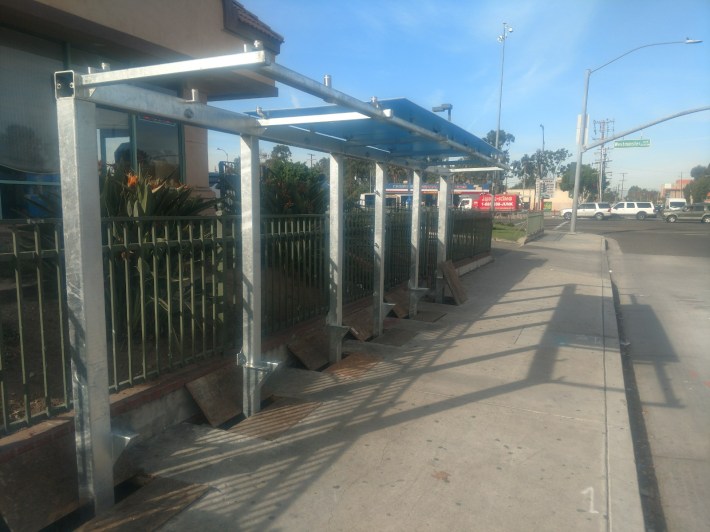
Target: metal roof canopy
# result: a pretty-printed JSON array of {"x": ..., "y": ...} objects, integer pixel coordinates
[
  {"x": 338, "y": 129},
  {"x": 394, "y": 131},
  {"x": 389, "y": 132}
]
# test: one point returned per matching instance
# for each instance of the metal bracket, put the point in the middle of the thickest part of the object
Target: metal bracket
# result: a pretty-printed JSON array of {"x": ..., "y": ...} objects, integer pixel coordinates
[
  {"x": 336, "y": 333},
  {"x": 262, "y": 369},
  {"x": 415, "y": 295},
  {"x": 254, "y": 376},
  {"x": 121, "y": 440},
  {"x": 388, "y": 307},
  {"x": 194, "y": 96}
]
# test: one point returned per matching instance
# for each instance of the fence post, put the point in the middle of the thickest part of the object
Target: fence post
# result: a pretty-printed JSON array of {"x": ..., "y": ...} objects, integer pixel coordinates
[
  {"x": 442, "y": 234},
  {"x": 85, "y": 298},
  {"x": 335, "y": 263},
  {"x": 379, "y": 251}
]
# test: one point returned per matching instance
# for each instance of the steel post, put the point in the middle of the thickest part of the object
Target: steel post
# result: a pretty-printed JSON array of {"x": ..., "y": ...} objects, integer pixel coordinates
[
  {"x": 85, "y": 299},
  {"x": 251, "y": 273},
  {"x": 415, "y": 293},
  {"x": 335, "y": 263},
  {"x": 379, "y": 249},
  {"x": 442, "y": 234}
]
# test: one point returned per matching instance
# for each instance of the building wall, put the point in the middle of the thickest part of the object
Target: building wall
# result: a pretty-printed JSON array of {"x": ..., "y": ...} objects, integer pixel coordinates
[
  {"x": 122, "y": 33},
  {"x": 559, "y": 200},
  {"x": 190, "y": 27}
]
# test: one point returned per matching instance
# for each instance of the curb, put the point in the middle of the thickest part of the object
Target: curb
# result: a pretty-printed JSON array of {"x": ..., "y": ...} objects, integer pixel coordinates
[{"x": 623, "y": 496}]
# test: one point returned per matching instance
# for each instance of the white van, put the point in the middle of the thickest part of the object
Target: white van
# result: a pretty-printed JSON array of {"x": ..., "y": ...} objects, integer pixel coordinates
[{"x": 674, "y": 204}]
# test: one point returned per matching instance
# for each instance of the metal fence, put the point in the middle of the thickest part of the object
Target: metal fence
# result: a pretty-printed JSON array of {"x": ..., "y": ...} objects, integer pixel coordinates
[{"x": 173, "y": 291}]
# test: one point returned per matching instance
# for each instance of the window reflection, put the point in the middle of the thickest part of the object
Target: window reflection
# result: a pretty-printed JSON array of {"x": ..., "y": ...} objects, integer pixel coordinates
[
  {"x": 153, "y": 148},
  {"x": 158, "y": 147}
]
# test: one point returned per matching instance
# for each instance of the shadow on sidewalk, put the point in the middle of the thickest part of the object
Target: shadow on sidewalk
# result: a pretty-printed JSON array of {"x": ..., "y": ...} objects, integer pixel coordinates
[{"x": 520, "y": 330}]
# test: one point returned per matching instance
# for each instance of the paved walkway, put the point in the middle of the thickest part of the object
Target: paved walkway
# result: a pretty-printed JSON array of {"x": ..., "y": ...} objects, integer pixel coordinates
[{"x": 506, "y": 413}]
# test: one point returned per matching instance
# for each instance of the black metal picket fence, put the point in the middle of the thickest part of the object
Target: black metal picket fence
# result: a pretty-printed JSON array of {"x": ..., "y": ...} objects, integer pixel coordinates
[{"x": 173, "y": 291}]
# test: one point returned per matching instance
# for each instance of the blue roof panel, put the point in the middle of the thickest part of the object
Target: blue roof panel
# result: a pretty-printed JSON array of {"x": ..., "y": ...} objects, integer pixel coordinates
[{"x": 354, "y": 131}]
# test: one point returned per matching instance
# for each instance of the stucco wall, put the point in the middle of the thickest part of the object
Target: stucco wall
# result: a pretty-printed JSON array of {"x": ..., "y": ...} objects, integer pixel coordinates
[{"x": 191, "y": 27}]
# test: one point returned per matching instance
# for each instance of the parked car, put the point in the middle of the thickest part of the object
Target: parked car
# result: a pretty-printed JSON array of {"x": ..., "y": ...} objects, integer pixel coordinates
[
  {"x": 697, "y": 212},
  {"x": 634, "y": 209},
  {"x": 589, "y": 210}
]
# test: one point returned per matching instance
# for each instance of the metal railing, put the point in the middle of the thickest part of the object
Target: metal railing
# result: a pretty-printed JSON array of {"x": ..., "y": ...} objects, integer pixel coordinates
[
  {"x": 294, "y": 274},
  {"x": 173, "y": 291},
  {"x": 534, "y": 223}
]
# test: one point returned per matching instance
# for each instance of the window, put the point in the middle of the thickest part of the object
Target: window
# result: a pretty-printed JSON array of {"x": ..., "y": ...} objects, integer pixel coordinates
[
  {"x": 158, "y": 147},
  {"x": 29, "y": 146},
  {"x": 153, "y": 148},
  {"x": 29, "y": 152}
]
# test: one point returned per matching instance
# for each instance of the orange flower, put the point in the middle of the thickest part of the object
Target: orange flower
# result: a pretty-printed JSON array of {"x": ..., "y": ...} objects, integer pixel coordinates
[{"x": 132, "y": 179}]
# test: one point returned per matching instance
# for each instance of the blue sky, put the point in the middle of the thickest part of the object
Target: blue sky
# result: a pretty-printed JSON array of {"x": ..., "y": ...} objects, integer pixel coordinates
[{"x": 446, "y": 51}]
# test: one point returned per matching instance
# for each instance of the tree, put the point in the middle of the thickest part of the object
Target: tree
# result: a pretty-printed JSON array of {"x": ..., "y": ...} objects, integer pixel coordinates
[
  {"x": 504, "y": 142},
  {"x": 530, "y": 167},
  {"x": 280, "y": 152},
  {"x": 700, "y": 171},
  {"x": 588, "y": 181},
  {"x": 636, "y": 193},
  {"x": 698, "y": 189},
  {"x": 525, "y": 169},
  {"x": 291, "y": 188}
]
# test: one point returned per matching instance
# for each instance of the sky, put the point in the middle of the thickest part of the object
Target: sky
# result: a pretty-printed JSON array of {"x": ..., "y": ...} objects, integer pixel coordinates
[{"x": 447, "y": 51}]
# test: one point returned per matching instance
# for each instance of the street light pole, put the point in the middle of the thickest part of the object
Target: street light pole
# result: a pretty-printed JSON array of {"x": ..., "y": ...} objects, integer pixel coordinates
[
  {"x": 542, "y": 157},
  {"x": 583, "y": 122},
  {"x": 501, "y": 39}
]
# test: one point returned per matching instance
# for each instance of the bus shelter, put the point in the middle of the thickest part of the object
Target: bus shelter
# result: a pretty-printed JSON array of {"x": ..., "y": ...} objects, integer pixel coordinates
[{"x": 388, "y": 132}]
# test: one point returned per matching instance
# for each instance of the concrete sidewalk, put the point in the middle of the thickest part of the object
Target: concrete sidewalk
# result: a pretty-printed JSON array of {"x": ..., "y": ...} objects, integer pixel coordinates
[{"x": 505, "y": 413}]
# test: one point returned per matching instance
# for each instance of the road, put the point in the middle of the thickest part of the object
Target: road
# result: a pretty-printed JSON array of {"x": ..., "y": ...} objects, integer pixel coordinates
[{"x": 661, "y": 273}]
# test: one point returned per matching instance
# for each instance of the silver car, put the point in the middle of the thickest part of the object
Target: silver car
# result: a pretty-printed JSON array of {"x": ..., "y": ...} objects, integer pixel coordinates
[{"x": 697, "y": 212}]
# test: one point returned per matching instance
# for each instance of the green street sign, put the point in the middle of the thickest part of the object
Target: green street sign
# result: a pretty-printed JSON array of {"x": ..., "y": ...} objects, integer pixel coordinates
[{"x": 632, "y": 143}]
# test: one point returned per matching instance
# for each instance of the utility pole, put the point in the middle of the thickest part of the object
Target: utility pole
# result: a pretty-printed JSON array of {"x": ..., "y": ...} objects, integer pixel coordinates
[
  {"x": 605, "y": 126},
  {"x": 621, "y": 194},
  {"x": 311, "y": 156}
]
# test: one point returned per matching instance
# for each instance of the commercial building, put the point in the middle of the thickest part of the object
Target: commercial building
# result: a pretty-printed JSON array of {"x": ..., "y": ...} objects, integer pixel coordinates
[{"x": 40, "y": 37}]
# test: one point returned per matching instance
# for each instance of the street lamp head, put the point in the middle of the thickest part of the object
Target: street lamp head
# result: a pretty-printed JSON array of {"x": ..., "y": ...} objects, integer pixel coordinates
[
  {"x": 504, "y": 36},
  {"x": 688, "y": 40},
  {"x": 443, "y": 107}
]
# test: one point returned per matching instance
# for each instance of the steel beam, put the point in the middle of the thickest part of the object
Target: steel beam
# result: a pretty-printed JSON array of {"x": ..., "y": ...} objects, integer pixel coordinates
[
  {"x": 139, "y": 100},
  {"x": 85, "y": 300},
  {"x": 190, "y": 66},
  {"x": 379, "y": 250}
]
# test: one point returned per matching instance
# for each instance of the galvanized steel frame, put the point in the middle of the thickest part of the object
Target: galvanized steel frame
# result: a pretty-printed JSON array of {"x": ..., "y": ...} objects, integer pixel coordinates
[
  {"x": 85, "y": 300},
  {"x": 77, "y": 98}
]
